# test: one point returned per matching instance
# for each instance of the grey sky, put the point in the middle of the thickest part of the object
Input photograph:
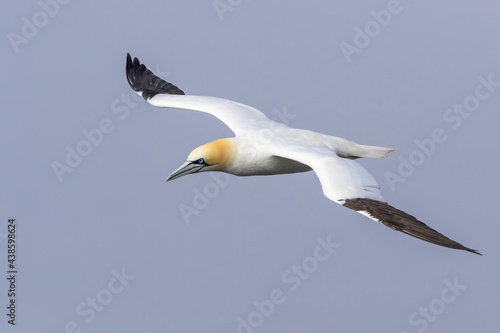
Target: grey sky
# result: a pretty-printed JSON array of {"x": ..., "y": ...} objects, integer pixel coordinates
[{"x": 112, "y": 230}]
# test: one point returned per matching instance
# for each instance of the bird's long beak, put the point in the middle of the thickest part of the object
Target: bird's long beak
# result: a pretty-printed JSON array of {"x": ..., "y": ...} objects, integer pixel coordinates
[{"x": 185, "y": 169}]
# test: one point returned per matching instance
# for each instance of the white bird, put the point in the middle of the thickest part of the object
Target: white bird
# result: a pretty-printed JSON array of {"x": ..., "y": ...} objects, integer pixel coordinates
[{"x": 265, "y": 147}]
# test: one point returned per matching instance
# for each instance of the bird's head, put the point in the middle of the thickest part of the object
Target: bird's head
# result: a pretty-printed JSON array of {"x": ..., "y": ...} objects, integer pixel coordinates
[{"x": 213, "y": 156}]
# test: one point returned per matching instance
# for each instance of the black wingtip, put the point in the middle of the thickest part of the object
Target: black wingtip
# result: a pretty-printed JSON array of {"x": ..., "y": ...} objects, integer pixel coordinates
[
  {"x": 473, "y": 251},
  {"x": 401, "y": 221},
  {"x": 143, "y": 80}
]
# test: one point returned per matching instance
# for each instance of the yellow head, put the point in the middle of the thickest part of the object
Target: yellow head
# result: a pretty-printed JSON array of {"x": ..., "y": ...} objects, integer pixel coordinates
[{"x": 213, "y": 156}]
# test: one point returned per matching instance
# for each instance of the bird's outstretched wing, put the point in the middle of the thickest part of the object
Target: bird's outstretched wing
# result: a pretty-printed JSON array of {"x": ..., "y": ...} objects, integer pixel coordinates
[
  {"x": 238, "y": 117},
  {"x": 347, "y": 183}
]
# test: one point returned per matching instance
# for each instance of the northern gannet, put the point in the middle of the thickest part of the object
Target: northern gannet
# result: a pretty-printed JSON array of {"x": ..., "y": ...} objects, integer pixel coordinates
[{"x": 265, "y": 147}]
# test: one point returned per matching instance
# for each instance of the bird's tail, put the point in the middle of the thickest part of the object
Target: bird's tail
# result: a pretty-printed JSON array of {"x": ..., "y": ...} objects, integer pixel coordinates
[{"x": 373, "y": 151}]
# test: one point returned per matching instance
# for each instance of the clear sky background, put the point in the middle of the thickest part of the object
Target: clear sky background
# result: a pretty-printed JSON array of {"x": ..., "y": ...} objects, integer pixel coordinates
[{"x": 105, "y": 247}]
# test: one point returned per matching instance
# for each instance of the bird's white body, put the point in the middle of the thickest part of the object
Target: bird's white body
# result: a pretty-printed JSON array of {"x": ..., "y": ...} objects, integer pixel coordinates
[
  {"x": 265, "y": 147},
  {"x": 256, "y": 151},
  {"x": 253, "y": 157}
]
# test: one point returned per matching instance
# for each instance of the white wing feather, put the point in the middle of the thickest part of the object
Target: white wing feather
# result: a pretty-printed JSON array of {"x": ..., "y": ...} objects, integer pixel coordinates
[
  {"x": 240, "y": 118},
  {"x": 340, "y": 178}
]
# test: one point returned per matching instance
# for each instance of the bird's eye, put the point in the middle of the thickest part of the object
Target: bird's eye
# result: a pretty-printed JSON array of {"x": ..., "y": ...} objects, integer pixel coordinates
[{"x": 200, "y": 161}]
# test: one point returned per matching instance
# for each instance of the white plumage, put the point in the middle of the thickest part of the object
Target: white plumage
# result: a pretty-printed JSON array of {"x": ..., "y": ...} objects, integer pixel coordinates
[{"x": 265, "y": 147}]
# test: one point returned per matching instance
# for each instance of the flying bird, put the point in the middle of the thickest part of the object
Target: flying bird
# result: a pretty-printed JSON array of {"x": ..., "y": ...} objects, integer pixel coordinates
[{"x": 265, "y": 147}]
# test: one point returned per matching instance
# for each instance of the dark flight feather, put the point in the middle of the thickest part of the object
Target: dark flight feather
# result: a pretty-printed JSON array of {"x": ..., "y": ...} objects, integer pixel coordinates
[
  {"x": 142, "y": 79},
  {"x": 401, "y": 221}
]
